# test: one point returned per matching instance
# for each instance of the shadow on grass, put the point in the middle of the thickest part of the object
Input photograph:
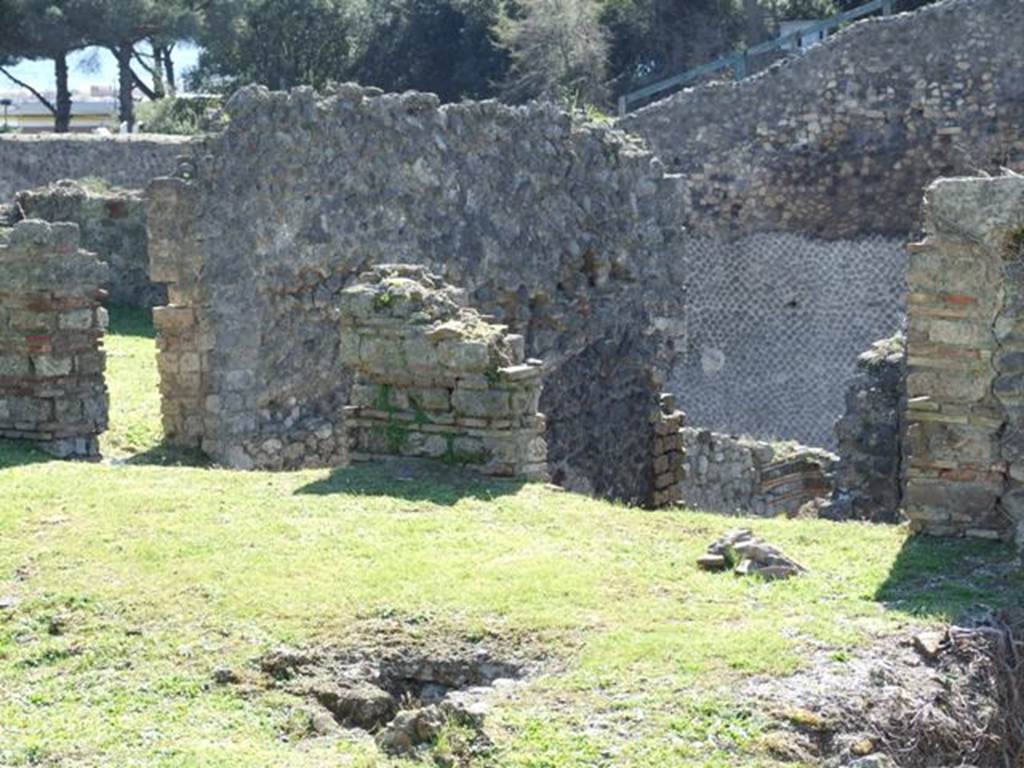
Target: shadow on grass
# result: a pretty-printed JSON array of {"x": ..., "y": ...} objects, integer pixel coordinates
[
  {"x": 412, "y": 480},
  {"x": 163, "y": 455},
  {"x": 949, "y": 578},
  {"x": 19, "y": 454},
  {"x": 131, "y": 321}
]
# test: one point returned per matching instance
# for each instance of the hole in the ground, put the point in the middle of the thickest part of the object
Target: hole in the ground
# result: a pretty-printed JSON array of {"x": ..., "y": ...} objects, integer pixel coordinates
[{"x": 406, "y": 694}]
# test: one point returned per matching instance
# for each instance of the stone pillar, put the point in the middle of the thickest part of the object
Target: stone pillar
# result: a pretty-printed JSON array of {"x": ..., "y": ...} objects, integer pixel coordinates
[
  {"x": 965, "y": 358},
  {"x": 434, "y": 379},
  {"x": 183, "y": 340},
  {"x": 667, "y": 452},
  {"x": 51, "y": 329},
  {"x": 870, "y": 437}
]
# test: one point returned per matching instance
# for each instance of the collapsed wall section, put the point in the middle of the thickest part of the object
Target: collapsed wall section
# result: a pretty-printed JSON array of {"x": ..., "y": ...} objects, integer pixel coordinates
[
  {"x": 965, "y": 357},
  {"x": 434, "y": 379},
  {"x": 51, "y": 328},
  {"x": 112, "y": 223},
  {"x": 559, "y": 230},
  {"x": 740, "y": 475}
]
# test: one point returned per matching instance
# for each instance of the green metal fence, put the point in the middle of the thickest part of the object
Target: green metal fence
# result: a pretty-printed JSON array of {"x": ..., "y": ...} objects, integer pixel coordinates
[{"x": 738, "y": 62}]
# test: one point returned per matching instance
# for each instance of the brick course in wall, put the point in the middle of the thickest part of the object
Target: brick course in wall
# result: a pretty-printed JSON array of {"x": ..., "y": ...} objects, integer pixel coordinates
[
  {"x": 51, "y": 328},
  {"x": 965, "y": 358}
]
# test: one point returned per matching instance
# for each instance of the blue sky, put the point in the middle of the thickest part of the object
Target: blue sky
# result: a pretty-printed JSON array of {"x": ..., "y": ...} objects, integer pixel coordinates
[{"x": 88, "y": 67}]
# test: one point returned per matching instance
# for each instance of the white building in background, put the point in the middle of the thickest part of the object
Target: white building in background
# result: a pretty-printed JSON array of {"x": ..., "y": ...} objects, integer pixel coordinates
[
  {"x": 803, "y": 41},
  {"x": 28, "y": 115}
]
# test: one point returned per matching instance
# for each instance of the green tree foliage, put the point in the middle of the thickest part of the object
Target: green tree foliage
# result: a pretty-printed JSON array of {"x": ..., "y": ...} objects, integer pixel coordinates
[
  {"x": 442, "y": 46},
  {"x": 42, "y": 29},
  {"x": 558, "y": 49},
  {"x": 120, "y": 25},
  {"x": 653, "y": 39},
  {"x": 277, "y": 43}
]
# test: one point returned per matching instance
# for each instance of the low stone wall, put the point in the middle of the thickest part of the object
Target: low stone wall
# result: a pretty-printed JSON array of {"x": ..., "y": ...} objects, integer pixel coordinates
[
  {"x": 51, "y": 328},
  {"x": 965, "y": 357},
  {"x": 740, "y": 475},
  {"x": 433, "y": 379},
  {"x": 35, "y": 160},
  {"x": 869, "y": 475},
  {"x": 112, "y": 223}
]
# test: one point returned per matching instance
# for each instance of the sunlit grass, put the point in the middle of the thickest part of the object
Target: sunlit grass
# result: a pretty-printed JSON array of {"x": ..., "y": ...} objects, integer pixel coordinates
[{"x": 153, "y": 576}]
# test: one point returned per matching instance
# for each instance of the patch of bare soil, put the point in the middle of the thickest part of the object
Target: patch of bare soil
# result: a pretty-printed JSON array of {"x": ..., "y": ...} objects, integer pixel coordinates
[
  {"x": 407, "y": 690},
  {"x": 953, "y": 697}
]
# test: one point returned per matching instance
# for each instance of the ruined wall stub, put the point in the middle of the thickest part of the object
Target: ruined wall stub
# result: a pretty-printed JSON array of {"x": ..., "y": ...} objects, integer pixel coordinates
[
  {"x": 965, "y": 355},
  {"x": 434, "y": 379},
  {"x": 112, "y": 224},
  {"x": 51, "y": 328},
  {"x": 558, "y": 230},
  {"x": 869, "y": 476},
  {"x": 740, "y": 475}
]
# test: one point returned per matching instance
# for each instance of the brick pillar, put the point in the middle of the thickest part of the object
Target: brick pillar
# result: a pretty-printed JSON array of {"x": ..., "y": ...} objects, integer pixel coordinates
[
  {"x": 52, "y": 390},
  {"x": 667, "y": 451},
  {"x": 965, "y": 362},
  {"x": 183, "y": 342}
]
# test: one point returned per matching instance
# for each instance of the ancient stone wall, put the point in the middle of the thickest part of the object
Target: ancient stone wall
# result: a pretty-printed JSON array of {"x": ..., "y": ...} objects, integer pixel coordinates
[
  {"x": 965, "y": 358},
  {"x": 560, "y": 231},
  {"x": 112, "y": 223},
  {"x": 35, "y": 160},
  {"x": 801, "y": 185},
  {"x": 433, "y": 379},
  {"x": 869, "y": 475},
  {"x": 839, "y": 142},
  {"x": 51, "y": 328},
  {"x": 741, "y": 475}
]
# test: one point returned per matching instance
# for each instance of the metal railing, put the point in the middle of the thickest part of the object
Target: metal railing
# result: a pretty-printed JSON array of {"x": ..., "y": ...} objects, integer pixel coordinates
[{"x": 738, "y": 62}]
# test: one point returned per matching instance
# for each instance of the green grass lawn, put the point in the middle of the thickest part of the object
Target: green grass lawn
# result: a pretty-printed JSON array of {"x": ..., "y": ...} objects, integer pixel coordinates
[{"x": 126, "y": 584}]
